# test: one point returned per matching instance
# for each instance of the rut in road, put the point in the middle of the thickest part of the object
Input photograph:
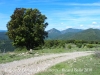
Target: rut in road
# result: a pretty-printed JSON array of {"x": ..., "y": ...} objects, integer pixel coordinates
[{"x": 34, "y": 65}]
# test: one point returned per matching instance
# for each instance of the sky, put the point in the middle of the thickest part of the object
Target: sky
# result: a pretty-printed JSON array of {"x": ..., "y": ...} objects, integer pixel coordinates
[{"x": 61, "y": 14}]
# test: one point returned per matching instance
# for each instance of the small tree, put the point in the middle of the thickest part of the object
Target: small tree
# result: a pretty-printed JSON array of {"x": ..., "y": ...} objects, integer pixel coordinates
[{"x": 27, "y": 28}]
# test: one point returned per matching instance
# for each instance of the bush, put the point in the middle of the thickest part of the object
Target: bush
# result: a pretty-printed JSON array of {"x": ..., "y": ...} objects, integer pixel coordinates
[
  {"x": 12, "y": 55},
  {"x": 69, "y": 46},
  {"x": 20, "y": 49},
  {"x": 89, "y": 46},
  {"x": 79, "y": 45}
]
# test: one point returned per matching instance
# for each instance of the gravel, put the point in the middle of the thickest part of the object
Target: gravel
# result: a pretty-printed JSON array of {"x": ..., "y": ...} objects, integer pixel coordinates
[{"x": 33, "y": 65}]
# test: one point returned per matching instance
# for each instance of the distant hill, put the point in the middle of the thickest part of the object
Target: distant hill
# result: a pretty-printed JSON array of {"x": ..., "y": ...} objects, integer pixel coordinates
[
  {"x": 5, "y": 42},
  {"x": 3, "y": 30},
  {"x": 56, "y": 34},
  {"x": 76, "y": 34},
  {"x": 68, "y": 34},
  {"x": 71, "y": 30},
  {"x": 88, "y": 35},
  {"x": 53, "y": 33},
  {"x": 3, "y": 35}
]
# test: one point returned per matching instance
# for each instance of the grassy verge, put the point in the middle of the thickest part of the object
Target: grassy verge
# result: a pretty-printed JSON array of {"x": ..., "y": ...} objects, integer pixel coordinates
[
  {"x": 63, "y": 50},
  {"x": 7, "y": 57},
  {"x": 23, "y": 54},
  {"x": 89, "y": 65}
]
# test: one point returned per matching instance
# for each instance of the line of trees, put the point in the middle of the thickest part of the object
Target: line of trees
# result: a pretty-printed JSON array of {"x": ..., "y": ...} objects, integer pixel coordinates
[
  {"x": 6, "y": 45},
  {"x": 62, "y": 43}
]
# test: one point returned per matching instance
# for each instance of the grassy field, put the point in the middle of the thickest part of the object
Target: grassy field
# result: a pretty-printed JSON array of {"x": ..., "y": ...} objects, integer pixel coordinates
[
  {"x": 18, "y": 55},
  {"x": 89, "y": 65},
  {"x": 63, "y": 50},
  {"x": 9, "y": 57}
]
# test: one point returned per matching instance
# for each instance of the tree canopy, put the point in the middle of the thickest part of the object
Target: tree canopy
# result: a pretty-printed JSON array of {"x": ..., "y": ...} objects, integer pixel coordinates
[{"x": 27, "y": 28}]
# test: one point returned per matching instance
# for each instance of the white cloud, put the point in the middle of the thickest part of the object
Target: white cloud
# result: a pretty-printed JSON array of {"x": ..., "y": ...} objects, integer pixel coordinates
[
  {"x": 77, "y": 18},
  {"x": 94, "y": 23},
  {"x": 74, "y": 14},
  {"x": 93, "y": 26},
  {"x": 69, "y": 27},
  {"x": 81, "y": 25}
]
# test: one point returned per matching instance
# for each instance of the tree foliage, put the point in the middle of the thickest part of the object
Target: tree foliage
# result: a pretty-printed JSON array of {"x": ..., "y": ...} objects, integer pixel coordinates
[
  {"x": 27, "y": 28},
  {"x": 54, "y": 44}
]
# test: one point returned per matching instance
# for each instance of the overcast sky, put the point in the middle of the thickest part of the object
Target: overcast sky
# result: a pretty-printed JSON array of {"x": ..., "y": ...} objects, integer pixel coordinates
[{"x": 61, "y": 14}]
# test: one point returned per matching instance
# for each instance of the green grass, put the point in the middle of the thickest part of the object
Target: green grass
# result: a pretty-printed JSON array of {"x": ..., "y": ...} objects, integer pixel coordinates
[
  {"x": 63, "y": 50},
  {"x": 66, "y": 49},
  {"x": 9, "y": 57},
  {"x": 89, "y": 65},
  {"x": 18, "y": 54}
]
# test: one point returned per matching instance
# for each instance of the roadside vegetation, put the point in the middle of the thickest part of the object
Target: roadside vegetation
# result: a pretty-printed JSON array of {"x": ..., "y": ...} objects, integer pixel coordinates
[
  {"x": 50, "y": 46},
  {"x": 13, "y": 56},
  {"x": 88, "y": 65}
]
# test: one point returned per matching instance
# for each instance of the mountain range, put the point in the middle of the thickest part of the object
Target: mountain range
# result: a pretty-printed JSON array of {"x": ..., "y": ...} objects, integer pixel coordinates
[
  {"x": 74, "y": 34},
  {"x": 3, "y": 30},
  {"x": 67, "y": 34}
]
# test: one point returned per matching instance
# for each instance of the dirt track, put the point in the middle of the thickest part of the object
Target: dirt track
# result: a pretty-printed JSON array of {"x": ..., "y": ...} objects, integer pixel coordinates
[{"x": 36, "y": 64}]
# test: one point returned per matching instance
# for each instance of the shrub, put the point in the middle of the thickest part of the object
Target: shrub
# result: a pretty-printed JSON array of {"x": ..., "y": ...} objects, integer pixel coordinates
[
  {"x": 20, "y": 49},
  {"x": 69, "y": 46},
  {"x": 12, "y": 55},
  {"x": 89, "y": 46},
  {"x": 79, "y": 45}
]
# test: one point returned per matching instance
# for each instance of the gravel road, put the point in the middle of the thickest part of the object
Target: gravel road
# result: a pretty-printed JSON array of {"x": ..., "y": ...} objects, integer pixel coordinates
[{"x": 34, "y": 65}]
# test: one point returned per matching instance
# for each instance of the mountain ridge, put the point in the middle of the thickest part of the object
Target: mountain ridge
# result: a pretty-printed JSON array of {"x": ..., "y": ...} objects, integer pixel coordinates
[
  {"x": 76, "y": 34},
  {"x": 3, "y": 30},
  {"x": 67, "y": 34}
]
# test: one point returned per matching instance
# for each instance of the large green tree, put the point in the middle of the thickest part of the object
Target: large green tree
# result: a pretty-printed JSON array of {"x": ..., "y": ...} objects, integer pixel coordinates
[{"x": 27, "y": 28}]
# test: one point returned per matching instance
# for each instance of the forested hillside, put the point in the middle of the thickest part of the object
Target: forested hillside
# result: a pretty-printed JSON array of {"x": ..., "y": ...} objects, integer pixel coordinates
[
  {"x": 54, "y": 34},
  {"x": 5, "y": 42},
  {"x": 76, "y": 34},
  {"x": 88, "y": 35}
]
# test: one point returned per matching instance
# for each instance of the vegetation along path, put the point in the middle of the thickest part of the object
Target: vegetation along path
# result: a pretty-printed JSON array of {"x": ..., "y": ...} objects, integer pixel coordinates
[{"x": 34, "y": 65}]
